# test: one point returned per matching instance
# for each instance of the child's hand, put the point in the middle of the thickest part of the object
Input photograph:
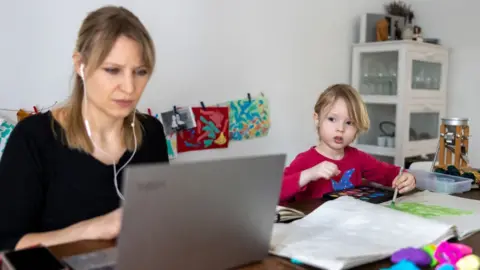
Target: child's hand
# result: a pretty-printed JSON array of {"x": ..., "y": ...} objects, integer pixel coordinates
[
  {"x": 324, "y": 170},
  {"x": 405, "y": 182}
]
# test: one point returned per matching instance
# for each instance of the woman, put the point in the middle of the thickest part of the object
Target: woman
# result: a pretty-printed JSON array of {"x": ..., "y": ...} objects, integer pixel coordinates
[{"x": 57, "y": 180}]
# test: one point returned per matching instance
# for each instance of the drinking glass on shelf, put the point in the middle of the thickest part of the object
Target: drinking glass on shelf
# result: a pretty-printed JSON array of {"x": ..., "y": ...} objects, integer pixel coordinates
[{"x": 392, "y": 72}]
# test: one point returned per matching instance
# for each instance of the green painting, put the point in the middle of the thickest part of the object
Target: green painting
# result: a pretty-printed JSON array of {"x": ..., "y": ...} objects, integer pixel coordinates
[
  {"x": 249, "y": 118},
  {"x": 428, "y": 211}
]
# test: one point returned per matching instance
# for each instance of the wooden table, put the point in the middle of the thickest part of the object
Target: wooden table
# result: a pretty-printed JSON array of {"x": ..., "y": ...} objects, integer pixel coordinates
[{"x": 271, "y": 262}]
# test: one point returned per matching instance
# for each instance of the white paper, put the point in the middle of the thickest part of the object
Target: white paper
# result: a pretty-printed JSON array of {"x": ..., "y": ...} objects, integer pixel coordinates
[
  {"x": 347, "y": 231},
  {"x": 279, "y": 233}
]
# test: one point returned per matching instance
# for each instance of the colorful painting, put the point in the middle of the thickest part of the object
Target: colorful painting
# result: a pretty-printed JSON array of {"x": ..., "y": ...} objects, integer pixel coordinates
[
  {"x": 211, "y": 130},
  {"x": 428, "y": 211},
  {"x": 249, "y": 118},
  {"x": 172, "y": 146},
  {"x": 5, "y": 131}
]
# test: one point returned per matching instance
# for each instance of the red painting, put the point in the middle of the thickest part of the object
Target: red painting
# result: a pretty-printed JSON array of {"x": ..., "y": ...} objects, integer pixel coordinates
[{"x": 211, "y": 131}]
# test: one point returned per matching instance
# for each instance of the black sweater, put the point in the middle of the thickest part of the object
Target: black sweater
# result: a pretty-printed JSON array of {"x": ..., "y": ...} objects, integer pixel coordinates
[{"x": 46, "y": 186}]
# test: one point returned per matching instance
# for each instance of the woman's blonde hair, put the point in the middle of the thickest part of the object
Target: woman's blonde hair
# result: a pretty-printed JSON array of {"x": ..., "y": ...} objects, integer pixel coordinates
[
  {"x": 355, "y": 105},
  {"x": 96, "y": 37}
]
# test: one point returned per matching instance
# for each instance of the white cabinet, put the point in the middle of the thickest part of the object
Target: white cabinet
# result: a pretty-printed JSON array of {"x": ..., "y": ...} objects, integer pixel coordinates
[{"x": 404, "y": 85}]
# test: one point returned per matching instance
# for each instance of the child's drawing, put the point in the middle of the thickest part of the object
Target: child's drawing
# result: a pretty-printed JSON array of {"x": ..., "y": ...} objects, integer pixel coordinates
[
  {"x": 211, "y": 130},
  {"x": 5, "y": 131},
  {"x": 172, "y": 145},
  {"x": 428, "y": 211},
  {"x": 344, "y": 182},
  {"x": 249, "y": 119}
]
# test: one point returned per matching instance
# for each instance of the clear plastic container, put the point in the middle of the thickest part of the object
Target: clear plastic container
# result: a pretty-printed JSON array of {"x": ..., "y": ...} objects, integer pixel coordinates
[{"x": 441, "y": 183}]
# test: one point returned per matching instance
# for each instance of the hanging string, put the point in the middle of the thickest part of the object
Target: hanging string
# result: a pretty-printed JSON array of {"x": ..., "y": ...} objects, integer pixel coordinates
[
  {"x": 41, "y": 110},
  {"x": 49, "y": 107},
  {"x": 8, "y": 110}
]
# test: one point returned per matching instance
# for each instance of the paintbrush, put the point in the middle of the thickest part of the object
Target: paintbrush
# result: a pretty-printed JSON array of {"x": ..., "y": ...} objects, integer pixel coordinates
[{"x": 392, "y": 204}]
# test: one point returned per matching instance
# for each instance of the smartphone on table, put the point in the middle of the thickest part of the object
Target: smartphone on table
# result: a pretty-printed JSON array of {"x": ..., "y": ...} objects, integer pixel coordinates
[{"x": 34, "y": 258}]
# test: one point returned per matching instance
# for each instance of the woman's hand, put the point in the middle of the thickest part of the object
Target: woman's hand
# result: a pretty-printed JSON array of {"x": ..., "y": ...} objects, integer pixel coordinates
[
  {"x": 104, "y": 227},
  {"x": 405, "y": 182}
]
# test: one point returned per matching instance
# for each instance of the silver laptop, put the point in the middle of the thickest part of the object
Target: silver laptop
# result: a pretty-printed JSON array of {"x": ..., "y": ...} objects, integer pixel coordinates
[{"x": 205, "y": 215}]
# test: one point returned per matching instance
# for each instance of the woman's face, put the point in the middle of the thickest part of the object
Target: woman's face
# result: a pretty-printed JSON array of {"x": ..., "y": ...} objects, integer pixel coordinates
[{"x": 116, "y": 86}]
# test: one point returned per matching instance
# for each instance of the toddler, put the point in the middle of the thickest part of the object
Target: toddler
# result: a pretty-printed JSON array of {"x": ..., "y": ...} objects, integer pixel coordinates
[{"x": 340, "y": 115}]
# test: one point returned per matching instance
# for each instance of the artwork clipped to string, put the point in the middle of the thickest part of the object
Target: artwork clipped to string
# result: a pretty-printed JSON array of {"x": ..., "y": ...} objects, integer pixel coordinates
[
  {"x": 249, "y": 118},
  {"x": 201, "y": 128},
  {"x": 7, "y": 126},
  {"x": 172, "y": 145},
  {"x": 22, "y": 114},
  {"x": 210, "y": 132},
  {"x": 170, "y": 136},
  {"x": 6, "y": 129},
  {"x": 179, "y": 118}
]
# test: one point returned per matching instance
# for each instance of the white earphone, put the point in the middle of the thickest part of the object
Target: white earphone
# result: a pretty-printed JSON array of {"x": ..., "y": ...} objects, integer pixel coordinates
[{"x": 89, "y": 133}]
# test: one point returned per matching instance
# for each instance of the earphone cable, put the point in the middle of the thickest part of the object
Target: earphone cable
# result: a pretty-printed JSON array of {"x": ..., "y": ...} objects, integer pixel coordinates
[{"x": 87, "y": 126}]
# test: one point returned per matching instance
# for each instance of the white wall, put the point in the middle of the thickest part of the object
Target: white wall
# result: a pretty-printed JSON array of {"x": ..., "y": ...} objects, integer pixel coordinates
[
  {"x": 37, "y": 42},
  {"x": 211, "y": 50},
  {"x": 455, "y": 23}
]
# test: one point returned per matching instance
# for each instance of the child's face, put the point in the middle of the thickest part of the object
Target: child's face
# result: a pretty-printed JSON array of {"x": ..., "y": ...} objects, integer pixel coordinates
[{"x": 335, "y": 127}]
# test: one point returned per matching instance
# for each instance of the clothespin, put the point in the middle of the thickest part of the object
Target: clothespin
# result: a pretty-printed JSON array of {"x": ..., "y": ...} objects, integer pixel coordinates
[
  {"x": 203, "y": 105},
  {"x": 175, "y": 109},
  {"x": 35, "y": 109},
  {"x": 149, "y": 111},
  {"x": 261, "y": 93},
  {"x": 249, "y": 97}
]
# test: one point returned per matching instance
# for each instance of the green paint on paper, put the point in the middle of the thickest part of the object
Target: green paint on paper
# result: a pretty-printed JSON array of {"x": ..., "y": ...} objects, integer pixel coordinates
[{"x": 428, "y": 211}]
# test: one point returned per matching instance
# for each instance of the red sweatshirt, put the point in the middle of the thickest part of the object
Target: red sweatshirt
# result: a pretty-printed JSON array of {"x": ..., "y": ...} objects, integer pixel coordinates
[{"x": 354, "y": 166}]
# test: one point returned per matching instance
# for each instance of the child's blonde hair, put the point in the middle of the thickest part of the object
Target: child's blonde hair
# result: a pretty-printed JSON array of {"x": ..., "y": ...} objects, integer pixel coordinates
[{"x": 356, "y": 107}]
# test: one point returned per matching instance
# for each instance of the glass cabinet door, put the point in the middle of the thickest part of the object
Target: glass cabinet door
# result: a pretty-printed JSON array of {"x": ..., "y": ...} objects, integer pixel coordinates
[
  {"x": 378, "y": 73},
  {"x": 428, "y": 73},
  {"x": 424, "y": 125},
  {"x": 424, "y": 128},
  {"x": 380, "y": 138}
]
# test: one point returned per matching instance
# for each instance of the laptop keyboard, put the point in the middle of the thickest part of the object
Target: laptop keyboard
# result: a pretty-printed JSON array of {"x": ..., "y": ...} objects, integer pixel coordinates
[
  {"x": 110, "y": 267},
  {"x": 99, "y": 260}
]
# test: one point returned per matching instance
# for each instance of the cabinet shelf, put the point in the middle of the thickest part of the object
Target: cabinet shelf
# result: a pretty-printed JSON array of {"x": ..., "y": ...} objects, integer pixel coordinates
[
  {"x": 380, "y": 99},
  {"x": 376, "y": 150},
  {"x": 417, "y": 148}
]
